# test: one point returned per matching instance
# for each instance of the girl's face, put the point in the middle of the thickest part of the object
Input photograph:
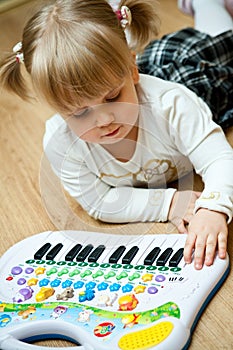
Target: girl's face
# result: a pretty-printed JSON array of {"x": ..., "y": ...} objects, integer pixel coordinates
[{"x": 111, "y": 117}]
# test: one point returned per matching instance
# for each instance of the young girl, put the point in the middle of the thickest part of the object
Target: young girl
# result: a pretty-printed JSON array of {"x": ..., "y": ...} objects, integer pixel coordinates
[{"x": 120, "y": 137}]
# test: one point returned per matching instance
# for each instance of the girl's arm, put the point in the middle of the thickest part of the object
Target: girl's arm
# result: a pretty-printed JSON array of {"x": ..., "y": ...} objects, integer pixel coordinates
[
  {"x": 113, "y": 204},
  {"x": 79, "y": 173},
  {"x": 204, "y": 142}
]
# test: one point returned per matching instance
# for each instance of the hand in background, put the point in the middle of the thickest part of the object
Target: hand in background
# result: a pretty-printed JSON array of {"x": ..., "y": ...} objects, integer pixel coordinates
[
  {"x": 207, "y": 232},
  {"x": 182, "y": 208}
]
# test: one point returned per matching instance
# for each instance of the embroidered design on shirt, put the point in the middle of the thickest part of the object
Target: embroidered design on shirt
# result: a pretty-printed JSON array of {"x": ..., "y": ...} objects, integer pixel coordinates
[
  {"x": 154, "y": 167},
  {"x": 212, "y": 195}
]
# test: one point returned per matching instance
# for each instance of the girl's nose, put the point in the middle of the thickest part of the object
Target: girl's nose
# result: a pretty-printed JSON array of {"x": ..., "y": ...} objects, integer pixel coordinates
[{"x": 104, "y": 118}]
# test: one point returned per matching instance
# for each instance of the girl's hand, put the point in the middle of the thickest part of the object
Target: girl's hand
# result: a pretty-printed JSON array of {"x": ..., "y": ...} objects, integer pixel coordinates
[
  {"x": 181, "y": 209},
  {"x": 207, "y": 232}
]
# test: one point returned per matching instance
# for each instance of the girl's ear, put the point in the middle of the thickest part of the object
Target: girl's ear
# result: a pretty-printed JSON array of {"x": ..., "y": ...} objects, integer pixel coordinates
[{"x": 135, "y": 73}]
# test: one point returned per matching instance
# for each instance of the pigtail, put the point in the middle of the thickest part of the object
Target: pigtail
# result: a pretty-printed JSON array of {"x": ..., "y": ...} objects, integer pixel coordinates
[
  {"x": 11, "y": 77},
  {"x": 145, "y": 23}
]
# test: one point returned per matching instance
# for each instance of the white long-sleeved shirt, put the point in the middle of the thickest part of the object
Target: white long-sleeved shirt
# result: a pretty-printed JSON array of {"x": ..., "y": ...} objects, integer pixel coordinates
[{"x": 176, "y": 134}]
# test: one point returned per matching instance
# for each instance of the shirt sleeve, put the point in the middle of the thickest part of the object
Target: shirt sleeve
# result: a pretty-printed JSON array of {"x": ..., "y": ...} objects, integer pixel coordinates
[
  {"x": 203, "y": 141},
  {"x": 113, "y": 204}
]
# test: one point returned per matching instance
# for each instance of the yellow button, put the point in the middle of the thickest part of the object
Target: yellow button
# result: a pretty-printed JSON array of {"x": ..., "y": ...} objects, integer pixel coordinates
[
  {"x": 146, "y": 338},
  {"x": 147, "y": 277},
  {"x": 139, "y": 289}
]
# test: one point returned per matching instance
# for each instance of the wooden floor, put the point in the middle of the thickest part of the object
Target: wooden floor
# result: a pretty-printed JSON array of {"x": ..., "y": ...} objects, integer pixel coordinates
[{"x": 32, "y": 201}]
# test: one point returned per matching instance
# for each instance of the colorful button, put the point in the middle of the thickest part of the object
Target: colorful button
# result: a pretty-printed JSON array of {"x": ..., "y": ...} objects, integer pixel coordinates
[
  {"x": 152, "y": 290},
  {"x": 86, "y": 273},
  {"x": 134, "y": 276},
  {"x": 102, "y": 286},
  {"x": 115, "y": 287},
  {"x": 16, "y": 270},
  {"x": 127, "y": 288},
  {"x": 147, "y": 277},
  {"x": 90, "y": 285},
  {"x": 67, "y": 284},
  {"x": 74, "y": 273},
  {"x": 139, "y": 289},
  {"x": 40, "y": 270},
  {"x": 10, "y": 278},
  {"x": 44, "y": 282},
  {"x": 32, "y": 282},
  {"x": 97, "y": 274},
  {"x": 29, "y": 270},
  {"x": 160, "y": 278},
  {"x": 78, "y": 284},
  {"x": 55, "y": 283},
  {"x": 21, "y": 281},
  {"x": 51, "y": 271},
  {"x": 121, "y": 275},
  {"x": 109, "y": 275},
  {"x": 44, "y": 293}
]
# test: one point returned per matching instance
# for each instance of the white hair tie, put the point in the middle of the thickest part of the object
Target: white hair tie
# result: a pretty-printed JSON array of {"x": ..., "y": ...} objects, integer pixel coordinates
[
  {"x": 124, "y": 15},
  {"x": 19, "y": 55}
]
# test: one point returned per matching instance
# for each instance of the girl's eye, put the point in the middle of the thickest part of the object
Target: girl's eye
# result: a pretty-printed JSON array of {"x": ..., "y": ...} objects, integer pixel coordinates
[{"x": 84, "y": 112}]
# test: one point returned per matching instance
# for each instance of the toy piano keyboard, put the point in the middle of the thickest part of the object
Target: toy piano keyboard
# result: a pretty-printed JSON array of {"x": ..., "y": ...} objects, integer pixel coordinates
[{"x": 103, "y": 291}]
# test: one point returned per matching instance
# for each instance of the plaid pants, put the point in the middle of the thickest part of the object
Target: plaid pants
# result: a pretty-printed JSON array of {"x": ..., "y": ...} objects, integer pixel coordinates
[{"x": 199, "y": 61}]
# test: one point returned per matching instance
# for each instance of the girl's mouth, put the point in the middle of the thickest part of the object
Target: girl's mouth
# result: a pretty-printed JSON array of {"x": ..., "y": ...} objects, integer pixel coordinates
[{"x": 113, "y": 133}]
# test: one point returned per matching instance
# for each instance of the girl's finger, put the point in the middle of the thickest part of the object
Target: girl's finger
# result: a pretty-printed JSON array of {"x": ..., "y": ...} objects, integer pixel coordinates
[
  {"x": 211, "y": 244},
  {"x": 199, "y": 254},
  {"x": 188, "y": 248},
  {"x": 222, "y": 245}
]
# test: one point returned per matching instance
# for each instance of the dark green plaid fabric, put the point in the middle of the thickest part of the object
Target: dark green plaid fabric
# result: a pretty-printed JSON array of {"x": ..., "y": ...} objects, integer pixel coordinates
[{"x": 199, "y": 61}]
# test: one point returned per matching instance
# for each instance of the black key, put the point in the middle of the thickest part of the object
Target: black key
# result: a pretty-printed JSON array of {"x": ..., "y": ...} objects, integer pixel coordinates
[
  {"x": 117, "y": 254},
  {"x": 176, "y": 258},
  {"x": 150, "y": 258},
  {"x": 42, "y": 251},
  {"x": 163, "y": 258},
  {"x": 94, "y": 256},
  {"x": 130, "y": 255},
  {"x": 84, "y": 252},
  {"x": 54, "y": 251},
  {"x": 73, "y": 252}
]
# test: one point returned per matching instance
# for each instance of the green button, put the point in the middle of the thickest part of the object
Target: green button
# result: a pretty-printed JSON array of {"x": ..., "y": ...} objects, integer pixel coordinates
[
  {"x": 82, "y": 264},
  {"x": 127, "y": 266},
  {"x": 105, "y": 266},
  {"x": 134, "y": 276},
  {"x": 139, "y": 267},
  {"x": 86, "y": 273},
  {"x": 51, "y": 271},
  {"x": 121, "y": 275},
  {"x": 109, "y": 275},
  {"x": 175, "y": 269},
  {"x": 74, "y": 273},
  {"x": 30, "y": 261},
  {"x": 116, "y": 266},
  {"x": 97, "y": 274},
  {"x": 50, "y": 262},
  {"x": 63, "y": 272},
  {"x": 40, "y": 262},
  {"x": 94, "y": 264},
  {"x": 163, "y": 268},
  {"x": 151, "y": 268}
]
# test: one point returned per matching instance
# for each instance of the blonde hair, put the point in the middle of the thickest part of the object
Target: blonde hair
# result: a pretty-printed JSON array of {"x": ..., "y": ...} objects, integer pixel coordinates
[{"x": 75, "y": 49}]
